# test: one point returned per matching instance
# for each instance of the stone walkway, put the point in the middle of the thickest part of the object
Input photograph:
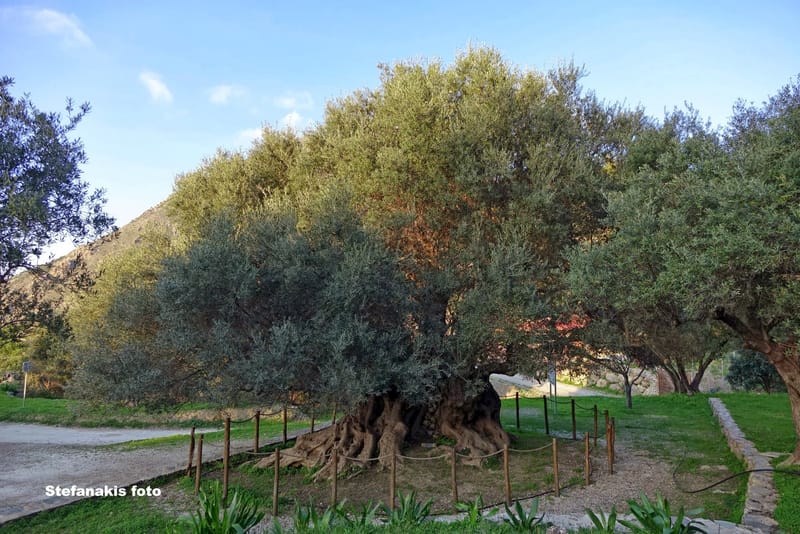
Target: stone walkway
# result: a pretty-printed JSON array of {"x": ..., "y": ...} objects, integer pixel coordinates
[{"x": 761, "y": 498}]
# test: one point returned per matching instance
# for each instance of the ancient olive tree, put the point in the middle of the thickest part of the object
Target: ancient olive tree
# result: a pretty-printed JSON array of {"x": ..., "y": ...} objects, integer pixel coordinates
[
  {"x": 456, "y": 190},
  {"x": 481, "y": 176},
  {"x": 42, "y": 201}
]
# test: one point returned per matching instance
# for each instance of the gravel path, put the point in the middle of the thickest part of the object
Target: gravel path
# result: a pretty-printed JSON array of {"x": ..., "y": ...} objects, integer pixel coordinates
[{"x": 37, "y": 456}]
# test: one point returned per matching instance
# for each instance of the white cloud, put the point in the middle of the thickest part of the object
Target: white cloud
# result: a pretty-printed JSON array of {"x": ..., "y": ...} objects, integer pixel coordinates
[
  {"x": 249, "y": 135},
  {"x": 221, "y": 94},
  {"x": 51, "y": 22},
  {"x": 292, "y": 120},
  {"x": 295, "y": 100},
  {"x": 158, "y": 90}
]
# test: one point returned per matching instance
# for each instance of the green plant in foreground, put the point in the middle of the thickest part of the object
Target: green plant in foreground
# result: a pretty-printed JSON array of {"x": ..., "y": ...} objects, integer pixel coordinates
[
  {"x": 474, "y": 510},
  {"x": 602, "y": 523},
  {"x": 213, "y": 517},
  {"x": 521, "y": 520},
  {"x": 656, "y": 518},
  {"x": 408, "y": 510},
  {"x": 307, "y": 519},
  {"x": 363, "y": 517}
]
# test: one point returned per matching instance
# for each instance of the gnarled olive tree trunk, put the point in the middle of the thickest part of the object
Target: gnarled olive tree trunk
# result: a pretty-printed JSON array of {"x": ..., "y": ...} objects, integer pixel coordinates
[{"x": 380, "y": 427}]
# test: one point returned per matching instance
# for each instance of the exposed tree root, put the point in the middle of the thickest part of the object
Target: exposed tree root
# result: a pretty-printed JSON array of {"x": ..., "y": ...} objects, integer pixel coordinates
[{"x": 380, "y": 427}]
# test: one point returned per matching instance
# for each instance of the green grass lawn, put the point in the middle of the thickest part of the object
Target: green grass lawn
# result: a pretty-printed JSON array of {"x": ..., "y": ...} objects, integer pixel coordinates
[
  {"x": 766, "y": 420},
  {"x": 69, "y": 412},
  {"x": 679, "y": 429},
  {"x": 125, "y": 515}
]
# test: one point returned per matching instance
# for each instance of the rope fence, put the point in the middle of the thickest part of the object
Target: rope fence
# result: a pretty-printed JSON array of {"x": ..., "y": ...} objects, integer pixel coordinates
[{"x": 588, "y": 445}]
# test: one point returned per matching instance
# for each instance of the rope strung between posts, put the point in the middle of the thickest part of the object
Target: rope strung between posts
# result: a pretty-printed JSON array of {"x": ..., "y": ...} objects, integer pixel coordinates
[
  {"x": 480, "y": 457},
  {"x": 556, "y": 401},
  {"x": 423, "y": 457},
  {"x": 238, "y": 421},
  {"x": 365, "y": 459},
  {"x": 548, "y": 446}
]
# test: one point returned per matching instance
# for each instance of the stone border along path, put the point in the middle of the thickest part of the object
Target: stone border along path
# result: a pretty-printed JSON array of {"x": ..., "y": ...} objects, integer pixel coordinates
[{"x": 761, "y": 498}]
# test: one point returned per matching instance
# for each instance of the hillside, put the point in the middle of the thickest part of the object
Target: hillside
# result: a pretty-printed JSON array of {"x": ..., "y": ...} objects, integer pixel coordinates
[{"x": 94, "y": 253}]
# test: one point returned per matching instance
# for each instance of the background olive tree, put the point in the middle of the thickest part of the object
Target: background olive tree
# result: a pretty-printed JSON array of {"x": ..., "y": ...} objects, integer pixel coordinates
[{"x": 43, "y": 201}]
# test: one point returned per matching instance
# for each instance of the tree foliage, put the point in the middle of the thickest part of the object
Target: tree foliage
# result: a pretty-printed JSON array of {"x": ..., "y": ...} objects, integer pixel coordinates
[
  {"x": 707, "y": 229},
  {"x": 273, "y": 308},
  {"x": 42, "y": 201},
  {"x": 626, "y": 278},
  {"x": 392, "y": 257},
  {"x": 116, "y": 349}
]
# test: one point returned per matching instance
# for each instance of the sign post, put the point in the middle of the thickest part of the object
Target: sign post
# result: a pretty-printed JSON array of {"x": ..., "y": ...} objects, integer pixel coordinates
[
  {"x": 26, "y": 368},
  {"x": 551, "y": 375}
]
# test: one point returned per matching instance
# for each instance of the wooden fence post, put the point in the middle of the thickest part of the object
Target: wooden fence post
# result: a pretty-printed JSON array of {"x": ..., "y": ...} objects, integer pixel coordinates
[
  {"x": 517, "y": 401},
  {"x": 587, "y": 462},
  {"x": 312, "y": 419},
  {"x": 276, "y": 482},
  {"x": 613, "y": 441},
  {"x": 546, "y": 417},
  {"x": 191, "y": 453},
  {"x": 595, "y": 425},
  {"x": 333, "y": 419},
  {"x": 226, "y": 453},
  {"x": 574, "y": 427},
  {"x": 507, "y": 475},
  {"x": 609, "y": 445},
  {"x": 555, "y": 467},
  {"x": 453, "y": 476},
  {"x": 284, "y": 425},
  {"x": 334, "y": 488},
  {"x": 392, "y": 481},
  {"x": 199, "y": 464},
  {"x": 258, "y": 429}
]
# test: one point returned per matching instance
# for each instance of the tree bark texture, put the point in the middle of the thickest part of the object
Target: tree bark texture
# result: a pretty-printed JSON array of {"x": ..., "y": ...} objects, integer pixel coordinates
[
  {"x": 783, "y": 355},
  {"x": 379, "y": 428}
]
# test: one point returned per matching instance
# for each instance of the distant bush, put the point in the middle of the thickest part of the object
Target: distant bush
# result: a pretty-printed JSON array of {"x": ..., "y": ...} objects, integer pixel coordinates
[
  {"x": 12, "y": 387},
  {"x": 750, "y": 370}
]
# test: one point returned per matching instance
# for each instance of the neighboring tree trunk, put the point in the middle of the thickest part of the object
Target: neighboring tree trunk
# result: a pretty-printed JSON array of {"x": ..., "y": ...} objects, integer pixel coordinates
[
  {"x": 784, "y": 356},
  {"x": 380, "y": 427},
  {"x": 785, "y": 360},
  {"x": 680, "y": 377},
  {"x": 629, "y": 385},
  {"x": 628, "y": 391}
]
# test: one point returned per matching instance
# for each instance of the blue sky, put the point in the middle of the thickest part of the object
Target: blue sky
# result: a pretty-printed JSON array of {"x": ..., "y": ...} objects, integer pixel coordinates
[{"x": 170, "y": 82}]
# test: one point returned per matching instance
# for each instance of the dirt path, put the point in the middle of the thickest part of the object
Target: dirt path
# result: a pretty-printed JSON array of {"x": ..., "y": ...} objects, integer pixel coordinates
[{"x": 37, "y": 456}]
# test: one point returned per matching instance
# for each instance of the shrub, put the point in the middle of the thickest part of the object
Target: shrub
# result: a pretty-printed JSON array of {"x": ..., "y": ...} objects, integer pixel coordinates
[
  {"x": 751, "y": 370},
  {"x": 655, "y": 517},
  {"x": 408, "y": 511},
  {"x": 213, "y": 517},
  {"x": 524, "y": 521}
]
